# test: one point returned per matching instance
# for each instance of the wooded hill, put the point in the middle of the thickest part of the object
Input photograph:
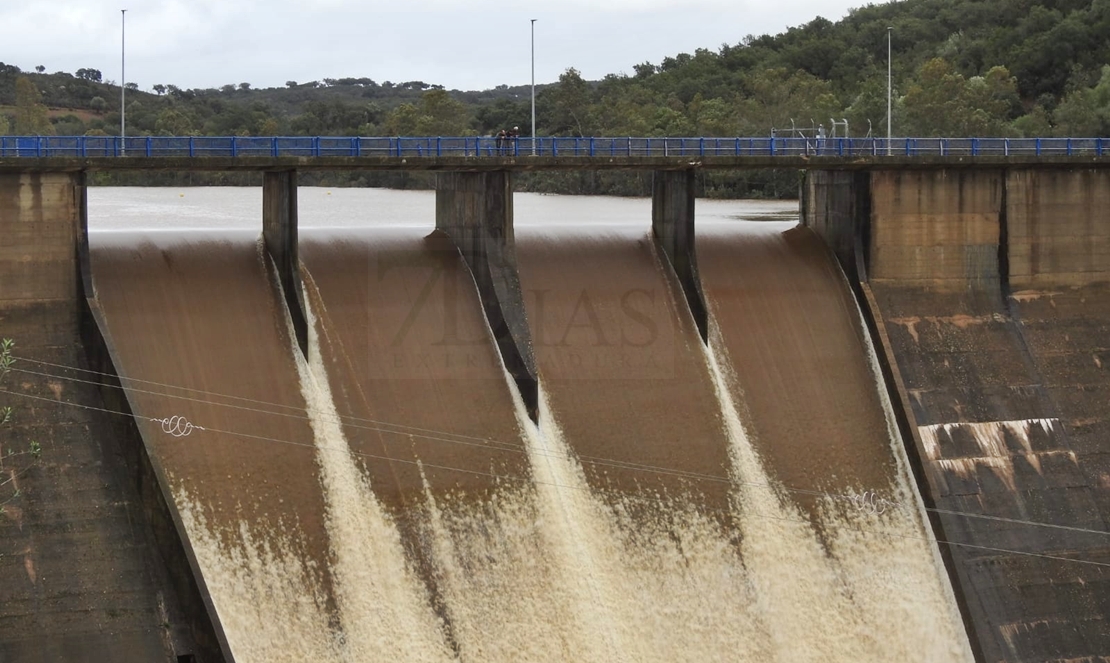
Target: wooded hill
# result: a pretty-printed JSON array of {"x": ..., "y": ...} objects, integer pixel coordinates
[{"x": 960, "y": 68}]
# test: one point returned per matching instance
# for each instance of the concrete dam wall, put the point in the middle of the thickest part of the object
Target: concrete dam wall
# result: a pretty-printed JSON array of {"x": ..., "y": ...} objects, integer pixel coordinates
[
  {"x": 473, "y": 441},
  {"x": 990, "y": 293}
]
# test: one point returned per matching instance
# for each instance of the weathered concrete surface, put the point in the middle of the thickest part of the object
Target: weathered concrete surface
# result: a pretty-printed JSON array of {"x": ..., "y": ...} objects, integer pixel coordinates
[
  {"x": 279, "y": 233},
  {"x": 935, "y": 228},
  {"x": 836, "y": 204},
  {"x": 672, "y": 224},
  {"x": 80, "y": 576},
  {"x": 1007, "y": 399},
  {"x": 476, "y": 211},
  {"x": 39, "y": 239},
  {"x": 1058, "y": 227}
]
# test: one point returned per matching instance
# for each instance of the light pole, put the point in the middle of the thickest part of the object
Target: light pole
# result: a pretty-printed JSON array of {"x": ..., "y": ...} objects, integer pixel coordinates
[
  {"x": 888, "y": 128},
  {"x": 123, "y": 83},
  {"x": 533, "y": 87}
]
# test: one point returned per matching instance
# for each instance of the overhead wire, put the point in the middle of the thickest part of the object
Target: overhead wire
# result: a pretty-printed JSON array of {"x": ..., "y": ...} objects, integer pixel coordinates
[
  {"x": 468, "y": 440},
  {"x": 534, "y": 481}
]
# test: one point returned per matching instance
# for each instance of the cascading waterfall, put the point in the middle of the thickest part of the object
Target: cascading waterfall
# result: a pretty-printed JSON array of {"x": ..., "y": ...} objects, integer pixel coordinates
[
  {"x": 383, "y": 610},
  {"x": 547, "y": 565},
  {"x": 876, "y": 593}
]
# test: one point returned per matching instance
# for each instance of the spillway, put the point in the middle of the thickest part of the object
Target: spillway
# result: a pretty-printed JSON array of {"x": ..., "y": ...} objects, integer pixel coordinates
[{"x": 388, "y": 497}]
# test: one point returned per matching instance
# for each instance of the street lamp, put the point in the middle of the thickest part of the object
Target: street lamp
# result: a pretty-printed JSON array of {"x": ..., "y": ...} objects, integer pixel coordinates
[
  {"x": 123, "y": 83},
  {"x": 888, "y": 129},
  {"x": 533, "y": 87}
]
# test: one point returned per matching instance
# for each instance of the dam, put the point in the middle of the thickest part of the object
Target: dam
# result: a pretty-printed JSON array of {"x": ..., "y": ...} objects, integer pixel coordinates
[{"x": 460, "y": 433}]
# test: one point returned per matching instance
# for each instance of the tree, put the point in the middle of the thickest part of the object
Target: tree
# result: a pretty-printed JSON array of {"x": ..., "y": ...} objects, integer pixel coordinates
[
  {"x": 159, "y": 89},
  {"x": 567, "y": 105},
  {"x": 291, "y": 84},
  {"x": 93, "y": 75},
  {"x": 776, "y": 96},
  {"x": 40, "y": 68},
  {"x": 944, "y": 103},
  {"x": 30, "y": 114},
  {"x": 438, "y": 114},
  {"x": 1086, "y": 112},
  {"x": 5, "y": 126},
  {"x": 244, "y": 86}
]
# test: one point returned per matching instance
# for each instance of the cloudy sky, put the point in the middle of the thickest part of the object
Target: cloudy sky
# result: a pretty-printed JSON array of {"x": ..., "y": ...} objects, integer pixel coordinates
[{"x": 472, "y": 44}]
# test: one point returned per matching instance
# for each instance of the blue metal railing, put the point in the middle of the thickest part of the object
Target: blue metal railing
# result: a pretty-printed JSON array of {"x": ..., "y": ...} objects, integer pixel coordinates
[{"x": 489, "y": 146}]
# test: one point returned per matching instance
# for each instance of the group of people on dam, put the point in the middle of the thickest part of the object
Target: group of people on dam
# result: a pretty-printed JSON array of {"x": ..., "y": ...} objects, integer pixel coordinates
[{"x": 506, "y": 138}]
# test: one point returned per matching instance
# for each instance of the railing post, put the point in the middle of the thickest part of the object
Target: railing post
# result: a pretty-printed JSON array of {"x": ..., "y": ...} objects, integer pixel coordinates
[
  {"x": 439, "y": 146},
  {"x": 591, "y": 146},
  {"x": 629, "y": 146},
  {"x": 1069, "y": 147},
  {"x": 234, "y": 147},
  {"x": 82, "y": 142},
  {"x": 274, "y": 146},
  {"x": 192, "y": 147},
  {"x": 1038, "y": 146},
  {"x": 974, "y": 147},
  {"x": 1006, "y": 146},
  {"x": 1098, "y": 147}
]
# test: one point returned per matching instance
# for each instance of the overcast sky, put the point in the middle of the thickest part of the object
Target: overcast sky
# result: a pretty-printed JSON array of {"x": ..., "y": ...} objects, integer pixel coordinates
[{"x": 472, "y": 44}]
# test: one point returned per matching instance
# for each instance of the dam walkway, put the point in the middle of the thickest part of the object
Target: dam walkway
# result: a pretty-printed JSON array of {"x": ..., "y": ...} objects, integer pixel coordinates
[{"x": 68, "y": 153}]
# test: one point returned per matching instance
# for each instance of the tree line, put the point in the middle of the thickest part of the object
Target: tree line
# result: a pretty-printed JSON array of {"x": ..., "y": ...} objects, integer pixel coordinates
[{"x": 959, "y": 68}]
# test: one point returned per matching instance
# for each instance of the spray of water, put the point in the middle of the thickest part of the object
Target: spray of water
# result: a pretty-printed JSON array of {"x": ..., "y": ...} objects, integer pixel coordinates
[
  {"x": 268, "y": 601},
  {"x": 875, "y": 592},
  {"x": 383, "y": 609}
]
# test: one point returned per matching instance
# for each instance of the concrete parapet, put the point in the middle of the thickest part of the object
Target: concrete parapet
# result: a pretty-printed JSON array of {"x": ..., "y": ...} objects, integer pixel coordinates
[
  {"x": 1058, "y": 227},
  {"x": 39, "y": 226},
  {"x": 672, "y": 224},
  {"x": 937, "y": 229},
  {"x": 476, "y": 211},
  {"x": 279, "y": 233}
]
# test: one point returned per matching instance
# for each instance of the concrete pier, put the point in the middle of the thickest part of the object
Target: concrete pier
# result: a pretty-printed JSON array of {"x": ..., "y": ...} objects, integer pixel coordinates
[
  {"x": 476, "y": 211},
  {"x": 672, "y": 224},
  {"x": 279, "y": 233}
]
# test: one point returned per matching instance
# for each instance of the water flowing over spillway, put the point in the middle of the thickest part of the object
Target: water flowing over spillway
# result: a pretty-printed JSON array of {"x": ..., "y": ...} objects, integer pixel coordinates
[{"x": 388, "y": 498}]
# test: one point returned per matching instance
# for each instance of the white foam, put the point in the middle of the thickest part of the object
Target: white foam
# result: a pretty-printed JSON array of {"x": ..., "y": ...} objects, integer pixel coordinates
[
  {"x": 384, "y": 612},
  {"x": 877, "y": 593}
]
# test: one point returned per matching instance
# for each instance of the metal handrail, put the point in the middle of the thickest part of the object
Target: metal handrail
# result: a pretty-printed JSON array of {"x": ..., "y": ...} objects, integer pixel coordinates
[{"x": 548, "y": 146}]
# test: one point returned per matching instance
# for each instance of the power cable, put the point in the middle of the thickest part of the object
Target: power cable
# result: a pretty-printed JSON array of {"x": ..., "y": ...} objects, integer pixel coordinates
[
  {"x": 454, "y": 438},
  {"x": 533, "y": 481}
]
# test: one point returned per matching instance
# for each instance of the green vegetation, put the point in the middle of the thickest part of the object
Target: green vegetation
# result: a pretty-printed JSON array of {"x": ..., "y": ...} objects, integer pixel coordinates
[
  {"x": 960, "y": 68},
  {"x": 15, "y": 462}
]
